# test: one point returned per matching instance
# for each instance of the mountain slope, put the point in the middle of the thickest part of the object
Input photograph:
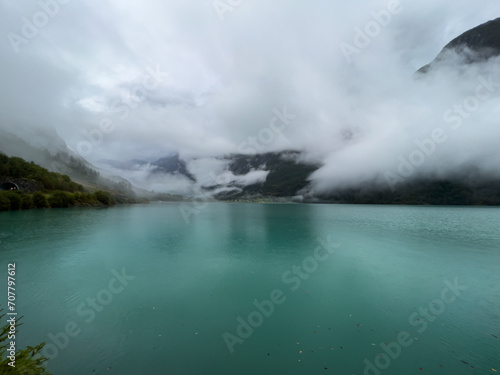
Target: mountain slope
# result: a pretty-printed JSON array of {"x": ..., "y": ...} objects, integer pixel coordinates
[
  {"x": 475, "y": 45},
  {"x": 50, "y": 151},
  {"x": 173, "y": 165},
  {"x": 286, "y": 177},
  {"x": 25, "y": 185}
]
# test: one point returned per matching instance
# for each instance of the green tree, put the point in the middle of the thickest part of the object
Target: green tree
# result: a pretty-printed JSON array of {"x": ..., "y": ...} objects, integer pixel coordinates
[
  {"x": 83, "y": 199},
  {"x": 16, "y": 202},
  {"x": 4, "y": 202},
  {"x": 29, "y": 361},
  {"x": 59, "y": 199},
  {"x": 40, "y": 201},
  {"x": 19, "y": 168},
  {"x": 104, "y": 197},
  {"x": 27, "y": 201}
]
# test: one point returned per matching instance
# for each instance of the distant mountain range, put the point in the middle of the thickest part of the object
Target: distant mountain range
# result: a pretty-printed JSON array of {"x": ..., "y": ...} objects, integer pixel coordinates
[
  {"x": 168, "y": 165},
  {"x": 285, "y": 175},
  {"x": 282, "y": 174},
  {"x": 286, "y": 178}
]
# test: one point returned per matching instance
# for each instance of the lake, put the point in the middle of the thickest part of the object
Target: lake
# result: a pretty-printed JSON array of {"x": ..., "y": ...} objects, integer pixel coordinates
[{"x": 258, "y": 288}]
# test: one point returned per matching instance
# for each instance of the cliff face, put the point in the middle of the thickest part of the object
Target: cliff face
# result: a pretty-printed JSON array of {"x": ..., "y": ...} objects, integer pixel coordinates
[{"x": 476, "y": 45}]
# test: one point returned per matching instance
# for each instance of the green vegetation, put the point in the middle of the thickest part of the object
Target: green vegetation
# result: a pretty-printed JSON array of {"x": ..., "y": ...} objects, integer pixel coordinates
[
  {"x": 44, "y": 189},
  {"x": 19, "y": 168},
  {"x": 4, "y": 202},
  {"x": 29, "y": 361},
  {"x": 40, "y": 200},
  {"x": 443, "y": 192},
  {"x": 16, "y": 200},
  {"x": 104, "y": 198},
  {"x": 27, "y": 202}
]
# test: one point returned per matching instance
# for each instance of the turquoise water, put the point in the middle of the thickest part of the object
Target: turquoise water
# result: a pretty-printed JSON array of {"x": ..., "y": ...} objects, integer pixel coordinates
[{"x": 138, "y": 290}]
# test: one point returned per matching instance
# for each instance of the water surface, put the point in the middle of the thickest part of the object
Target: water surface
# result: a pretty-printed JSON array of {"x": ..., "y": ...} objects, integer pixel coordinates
[{"x": 189, "y": 283}]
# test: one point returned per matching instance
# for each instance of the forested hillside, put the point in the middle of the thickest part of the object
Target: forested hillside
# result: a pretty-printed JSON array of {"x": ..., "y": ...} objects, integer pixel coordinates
[{"x": 26, "y": 185}]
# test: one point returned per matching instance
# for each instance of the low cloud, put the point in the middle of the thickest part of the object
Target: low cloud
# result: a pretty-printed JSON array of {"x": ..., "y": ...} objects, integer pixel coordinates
[{"x": 222, "y": 80}]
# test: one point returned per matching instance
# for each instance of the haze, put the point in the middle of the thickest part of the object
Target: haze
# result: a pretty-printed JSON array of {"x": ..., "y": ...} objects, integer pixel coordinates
[{"x": 147, "y": 80}]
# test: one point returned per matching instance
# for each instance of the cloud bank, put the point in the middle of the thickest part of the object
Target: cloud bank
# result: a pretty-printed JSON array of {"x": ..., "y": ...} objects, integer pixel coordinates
[{"x": 122, "y": 80}]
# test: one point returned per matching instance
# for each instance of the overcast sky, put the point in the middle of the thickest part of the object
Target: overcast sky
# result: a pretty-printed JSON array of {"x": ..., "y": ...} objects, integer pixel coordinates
[{"x": 146, "y": 79}]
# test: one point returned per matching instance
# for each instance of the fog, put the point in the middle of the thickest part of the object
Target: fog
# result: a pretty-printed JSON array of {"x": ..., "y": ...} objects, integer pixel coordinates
[{"x": 122, "y": 80}]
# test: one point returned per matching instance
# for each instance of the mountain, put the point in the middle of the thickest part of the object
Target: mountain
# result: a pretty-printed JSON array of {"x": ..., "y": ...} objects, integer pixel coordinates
[
  {"x": 26, "y": 185},
  {"x": 48, "y": 150},
  {"x": 470, "y": 188},
  {"x": 173, "y": 165},
  {"x": 279, "y": 174},
  {"x": 167, "y": 165},
  {"x": 286, "y": 178},
  {"x": 273, "y": 175},
  {"x": 476, "y": 45}
]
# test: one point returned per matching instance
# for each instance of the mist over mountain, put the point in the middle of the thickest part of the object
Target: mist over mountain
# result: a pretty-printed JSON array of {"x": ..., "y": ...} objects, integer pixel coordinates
[
  {"x": 438, "y": 128},
  {"x": 192, "y": 100},
  {"x": 230, "y": 176},
  {"x": 50, "y": 151},
  {"x": 476, "y": 45}
]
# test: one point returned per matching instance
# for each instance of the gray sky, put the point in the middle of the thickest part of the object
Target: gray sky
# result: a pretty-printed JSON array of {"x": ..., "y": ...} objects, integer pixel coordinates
[{"x": 220, "y": 75}]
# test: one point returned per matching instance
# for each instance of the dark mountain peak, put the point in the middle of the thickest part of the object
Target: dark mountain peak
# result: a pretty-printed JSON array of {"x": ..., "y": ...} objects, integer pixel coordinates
[
  {"x": 174, "y": 165},
  {"x": 242, "y": 163},
  {"x": 287, "y": 174},
  {"x": 476, "y": 45},
  {"x": 485, "y": 37}
]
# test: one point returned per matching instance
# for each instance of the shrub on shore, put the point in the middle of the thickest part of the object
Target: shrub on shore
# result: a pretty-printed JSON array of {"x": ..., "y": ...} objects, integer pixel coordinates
[
  {"x": 40, "y": 200},
  {"x": 10, "y": 201}
]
